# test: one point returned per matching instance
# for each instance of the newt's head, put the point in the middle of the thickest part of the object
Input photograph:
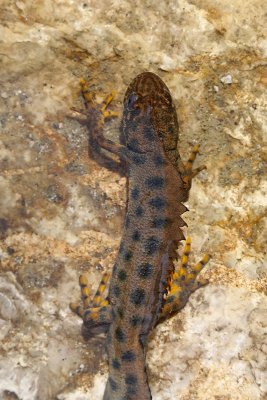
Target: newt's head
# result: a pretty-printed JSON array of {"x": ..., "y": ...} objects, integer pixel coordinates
[{"x": 149, "y": 116}]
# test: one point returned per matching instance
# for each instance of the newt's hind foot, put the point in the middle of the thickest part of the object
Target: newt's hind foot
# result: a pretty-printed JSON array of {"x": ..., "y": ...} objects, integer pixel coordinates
[
  {"x": 94, "y": 311},
  {"x": 183, "y": 283}
]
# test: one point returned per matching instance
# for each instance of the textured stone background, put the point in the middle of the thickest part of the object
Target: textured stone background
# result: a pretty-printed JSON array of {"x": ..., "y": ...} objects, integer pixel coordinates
[{"x": 61, "y": 213}]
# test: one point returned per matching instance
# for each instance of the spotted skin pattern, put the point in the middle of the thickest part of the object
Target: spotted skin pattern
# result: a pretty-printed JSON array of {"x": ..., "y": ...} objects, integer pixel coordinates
[{"x": 144, "y": 288}]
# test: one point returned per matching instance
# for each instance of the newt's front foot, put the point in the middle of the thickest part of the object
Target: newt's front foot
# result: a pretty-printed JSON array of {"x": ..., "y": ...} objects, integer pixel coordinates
[
  {"x": 187, "y": 172},
  {"x": 90, "y": 102}
]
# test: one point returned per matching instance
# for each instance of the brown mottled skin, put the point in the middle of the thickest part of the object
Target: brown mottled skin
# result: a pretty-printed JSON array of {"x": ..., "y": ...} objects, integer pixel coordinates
[{"x": 151, "y": 233}]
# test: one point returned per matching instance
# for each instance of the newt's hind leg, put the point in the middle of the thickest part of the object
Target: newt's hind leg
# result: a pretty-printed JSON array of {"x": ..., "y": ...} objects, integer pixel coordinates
[
  {"x": 187, "y": 172},
  {"x": 183, "y": 283},
  {"x": 95, "y": 311}
]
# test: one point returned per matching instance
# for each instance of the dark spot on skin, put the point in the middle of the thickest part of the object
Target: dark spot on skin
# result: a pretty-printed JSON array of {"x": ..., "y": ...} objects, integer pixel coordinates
[
  {"x": 120, "y": 312},
  {"x": 97, "y": 293},
  {"x": 128, "y": 255},
  {"x": 135, "y": 112},
  {"x": 136, "y": 236},
  {"x": 148, "y": 133},
  {"x": 138, "y": 159},
  {"x": 119, "y": 335},
  {"x": 130, "y": 391},
  {"x": 158, "y": 202},
  {"x": 160, "y": 222},
  {"x": 113, "y": 384},
  {"x": 170, "y": 299},
  {"x": 127, "y": 221},
  {"x": 128, "y": 356},
  {"x": 133, "y": 144},
  {"x": 135, "y": 320},
  {"x": 145, "y": 270},
  {"x": 131, "y": 382},
  {"x": 86, "y": 315},
  {"x": 116, "y": 364},
  {"x": 116, "y": 291},
  {"x": 132, "y": 125},
  {"x": 102, "y": 313},
  {"x": 130, "y": 379},
  {"x": 102, "y": 317},
  {"x": 159, "y": 161},
  {"x": 122, "y": 275},
  {"x": 137, "y": 296},
  {"x": 152, "y": 245},
  {"x": 135, "y": 193},
  {"x": 155, "y": 182},
  {"x": 139, "y": 211}
]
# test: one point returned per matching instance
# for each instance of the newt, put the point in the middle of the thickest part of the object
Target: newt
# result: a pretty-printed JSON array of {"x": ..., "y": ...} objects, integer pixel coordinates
[{"x": 144, "y": 287}]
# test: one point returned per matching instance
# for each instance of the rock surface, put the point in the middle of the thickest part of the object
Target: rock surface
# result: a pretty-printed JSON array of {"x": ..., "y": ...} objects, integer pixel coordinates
[{"x": 61, "y": 213}]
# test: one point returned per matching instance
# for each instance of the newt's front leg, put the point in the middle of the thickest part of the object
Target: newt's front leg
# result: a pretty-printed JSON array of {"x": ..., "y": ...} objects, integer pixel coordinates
[{"x": 97, "y": 114}]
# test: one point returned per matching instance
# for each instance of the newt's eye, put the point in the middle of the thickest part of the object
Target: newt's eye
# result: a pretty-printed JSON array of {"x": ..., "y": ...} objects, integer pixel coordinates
[{"x": 131, "y": 100}]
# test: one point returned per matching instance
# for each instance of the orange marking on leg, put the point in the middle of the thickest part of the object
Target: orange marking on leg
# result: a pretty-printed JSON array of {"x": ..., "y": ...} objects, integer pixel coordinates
[
  {"x": 77, "y": 309},
  {"x": 200, "y": 265},
  {"x": 183, "y": 282},
  {"x": 187, "y": 171},
  {"x": 107, "y": 100},
  {"x": 98, "y": 298},
  {"x": 191, "y": 159}
]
